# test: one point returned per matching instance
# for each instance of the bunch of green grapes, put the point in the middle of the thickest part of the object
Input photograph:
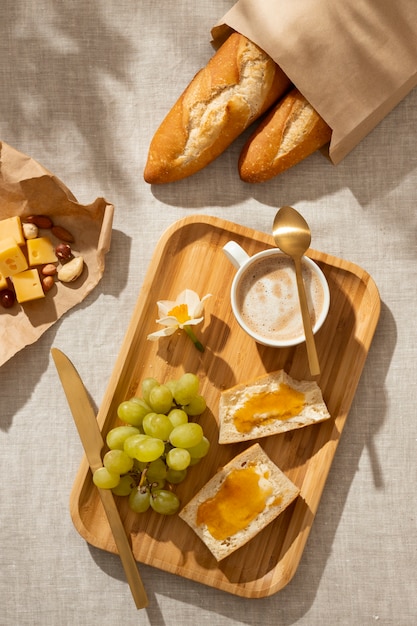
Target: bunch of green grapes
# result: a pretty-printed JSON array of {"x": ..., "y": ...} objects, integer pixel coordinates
[{"x": 156, "y": 445}]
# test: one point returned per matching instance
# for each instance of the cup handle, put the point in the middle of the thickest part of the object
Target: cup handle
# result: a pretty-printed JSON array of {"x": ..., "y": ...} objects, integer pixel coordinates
[{"x": 235, "y": 253}]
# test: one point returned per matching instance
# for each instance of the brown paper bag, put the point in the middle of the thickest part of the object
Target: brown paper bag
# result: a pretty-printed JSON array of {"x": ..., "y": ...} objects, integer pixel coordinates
[
  {"x": 27, "y": 188},
  {"x": 354, "y": 60}
]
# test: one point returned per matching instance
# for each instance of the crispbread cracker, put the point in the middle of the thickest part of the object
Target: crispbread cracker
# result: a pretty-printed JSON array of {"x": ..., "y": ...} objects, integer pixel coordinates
[
  {"x": 279, "y": 493},
  {"x": 262, "y": 421}
]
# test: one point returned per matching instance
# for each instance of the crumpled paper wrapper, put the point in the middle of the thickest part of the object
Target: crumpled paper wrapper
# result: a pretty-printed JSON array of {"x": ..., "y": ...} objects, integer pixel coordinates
[
  {"x": 27, "y": 188},
  {"x": 354, "y": 60}
]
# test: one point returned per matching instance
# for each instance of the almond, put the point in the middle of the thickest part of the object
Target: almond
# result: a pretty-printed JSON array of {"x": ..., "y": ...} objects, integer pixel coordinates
[
  {"x": 41, "y": 221},
  {"x": 62, "y": 233}
]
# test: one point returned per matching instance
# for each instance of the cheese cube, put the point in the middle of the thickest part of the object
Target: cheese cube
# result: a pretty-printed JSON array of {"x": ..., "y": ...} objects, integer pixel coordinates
[
  {"x": 12, "y": 227},
  {"x": 27, "y": 286},
  {"x": 3, "y": 282},
  {"x": 12, "y": 259},
  {"x": 40, "y": 251}
]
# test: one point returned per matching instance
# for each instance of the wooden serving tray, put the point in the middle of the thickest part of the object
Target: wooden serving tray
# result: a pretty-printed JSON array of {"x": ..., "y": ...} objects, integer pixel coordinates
[{"x": 189, "y": 255}]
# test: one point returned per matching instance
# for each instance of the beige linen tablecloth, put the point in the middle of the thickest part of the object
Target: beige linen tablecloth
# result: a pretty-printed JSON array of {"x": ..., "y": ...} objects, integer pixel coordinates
[{"x": 83, "y": 87}]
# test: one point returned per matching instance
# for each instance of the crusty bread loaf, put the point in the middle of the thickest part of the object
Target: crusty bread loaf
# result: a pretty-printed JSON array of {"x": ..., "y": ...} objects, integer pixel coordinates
[
  {"x": 239, "y": 83},
  {"x": 239, "y": 501},
  {"x": 271, "y": 404},
  {"x": 289, "y": 133}
]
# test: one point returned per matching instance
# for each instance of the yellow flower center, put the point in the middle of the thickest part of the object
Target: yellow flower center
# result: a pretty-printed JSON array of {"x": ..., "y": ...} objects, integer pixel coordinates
[{"x": 180, "y": 312}]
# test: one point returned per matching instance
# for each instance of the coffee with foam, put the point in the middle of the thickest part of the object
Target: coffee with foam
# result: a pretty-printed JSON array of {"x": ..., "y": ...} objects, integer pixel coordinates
[{"x": 267, "y": 298}]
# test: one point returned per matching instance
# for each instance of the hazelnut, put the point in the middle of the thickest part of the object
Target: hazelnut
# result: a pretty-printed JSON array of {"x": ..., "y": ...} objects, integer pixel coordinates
[
  {"x": 30, "y": 231},
  {"x": 47, "y": 283},
  {"x": 49, "y": 269},
  {"x": 7, "y": 298},
  {"x": 63, "y": 252}
]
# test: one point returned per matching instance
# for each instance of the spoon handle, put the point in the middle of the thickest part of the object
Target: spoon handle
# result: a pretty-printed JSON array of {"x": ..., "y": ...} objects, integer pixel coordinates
[{"x": 313, "y": 360}]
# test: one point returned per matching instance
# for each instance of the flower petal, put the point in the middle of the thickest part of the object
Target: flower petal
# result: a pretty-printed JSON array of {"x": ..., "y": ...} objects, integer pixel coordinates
[
  {"x": 165, "y": 332},
  {"x": 191, "y": 299},
  {"x": 164, "y": 306},
  {"x": 192, "y": 322},
  {"x": 168, "y": 320},
  {"x": 200, "y": 308}
]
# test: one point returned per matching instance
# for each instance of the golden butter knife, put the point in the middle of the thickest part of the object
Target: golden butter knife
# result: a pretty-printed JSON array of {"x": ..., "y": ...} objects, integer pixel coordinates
[{"x": 92, "y": 440}]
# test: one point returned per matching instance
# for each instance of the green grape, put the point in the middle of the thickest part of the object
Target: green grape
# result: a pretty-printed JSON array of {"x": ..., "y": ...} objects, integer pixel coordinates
[
  {"x": 178, "y": 459},
  {"x": 149, "y": 449},
  {"x": 172, "y": 385},
  {"x": 160, "y": 399},
  {"x": 186, "y": 435},
  {"x": 165, "y": 502},
  {"x": 116, "y": 437},
  {"x": 156, "y": 470},
  {"x": 196, "y": 406},
  {"x": 131, "y": 444},
  {"x": 156, "y": 484},
  {"x": 186, "y": 388},
  {"x": 157, "y": 444},
  {"x": 138, "y": 466},
  {"x": 147, "y": 385},
  {"x": 200, "y": 450},
  {"x": 139, "y": 500},
  {"x": 194, "y": 461},
  {"x": 125, "y": 486},
  {"x": 157, "y": 425},
  {"x": 176, "y": 476},
  {"x": 104, "y": 479},
  {"x": 177, "y": 417},
  {"x": 140, "y": 402},
  {"x": 117, "y": 462},
  {"x": 132, "y": 412}
]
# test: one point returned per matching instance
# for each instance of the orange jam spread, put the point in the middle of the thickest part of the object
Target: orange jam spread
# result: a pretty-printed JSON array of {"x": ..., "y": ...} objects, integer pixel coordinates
[
  {"x": 267, "y": 406},
  {"x": 240, "y": 499}
]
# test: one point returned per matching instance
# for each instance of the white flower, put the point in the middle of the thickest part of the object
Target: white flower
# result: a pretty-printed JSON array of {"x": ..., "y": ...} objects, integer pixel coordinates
[{"x": 185, "y": 311}]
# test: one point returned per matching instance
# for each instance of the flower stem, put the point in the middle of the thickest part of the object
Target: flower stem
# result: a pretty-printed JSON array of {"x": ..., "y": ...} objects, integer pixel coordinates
[{"x": 193, "y": 338}]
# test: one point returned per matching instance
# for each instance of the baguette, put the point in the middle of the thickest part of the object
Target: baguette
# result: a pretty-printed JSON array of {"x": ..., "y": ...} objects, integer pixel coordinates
[
  {"x": 271, "y": 404},
  {"x": 238, "y": 502},
  {"x": 289, "y": 133},
  {"x": 239, "y": 83}
]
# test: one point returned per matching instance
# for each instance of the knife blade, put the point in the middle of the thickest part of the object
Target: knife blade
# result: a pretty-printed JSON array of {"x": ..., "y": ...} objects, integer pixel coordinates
[{"x": 93, "y": 444}]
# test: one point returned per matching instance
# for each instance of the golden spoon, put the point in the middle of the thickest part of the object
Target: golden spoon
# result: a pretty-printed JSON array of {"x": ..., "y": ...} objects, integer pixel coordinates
[{"x": 292, "y": 235}]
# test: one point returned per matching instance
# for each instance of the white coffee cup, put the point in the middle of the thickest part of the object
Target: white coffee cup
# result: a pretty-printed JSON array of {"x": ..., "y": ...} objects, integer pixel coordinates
[{"x": 264, "y": 295}]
